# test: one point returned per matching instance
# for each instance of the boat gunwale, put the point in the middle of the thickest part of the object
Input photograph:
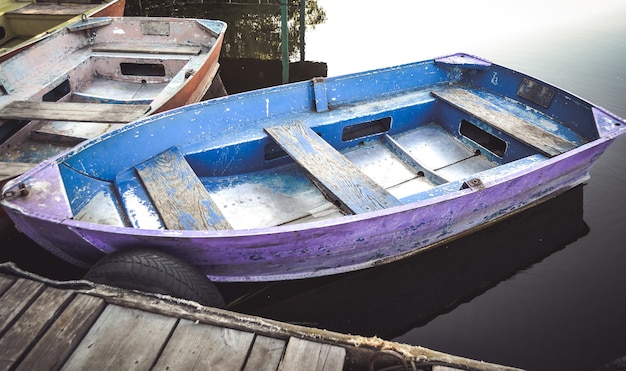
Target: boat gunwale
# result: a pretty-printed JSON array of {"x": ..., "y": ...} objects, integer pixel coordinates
[{"x": 346, "y": 219}]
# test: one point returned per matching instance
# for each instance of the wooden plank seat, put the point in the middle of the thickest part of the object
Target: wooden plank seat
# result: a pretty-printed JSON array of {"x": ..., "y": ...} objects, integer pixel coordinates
[
  {"x": 73, "y": 111},
  {"x": 339, "y": 179},
  {"x": 69, "y": 134},
  {"x": 543, "y": 140},
  {"x": 178, "y": 194},
  {"x": 148, "y": 49}
]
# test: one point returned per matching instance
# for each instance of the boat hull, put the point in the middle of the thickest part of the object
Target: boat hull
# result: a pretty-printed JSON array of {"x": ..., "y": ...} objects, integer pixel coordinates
[
  {"x": 325, "y": 248},
  {"x": 477, "y": 143}
]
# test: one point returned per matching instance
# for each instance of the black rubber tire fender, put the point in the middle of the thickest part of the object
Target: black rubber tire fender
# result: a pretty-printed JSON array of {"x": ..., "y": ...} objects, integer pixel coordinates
[{"x": 154, "y": 271}]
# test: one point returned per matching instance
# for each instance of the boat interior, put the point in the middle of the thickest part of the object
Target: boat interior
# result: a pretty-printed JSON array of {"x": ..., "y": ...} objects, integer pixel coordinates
[
  {"x": 22, "y": 20},
  {"x": 109, "y": 84},
  {"x": 395, "y": 151}
]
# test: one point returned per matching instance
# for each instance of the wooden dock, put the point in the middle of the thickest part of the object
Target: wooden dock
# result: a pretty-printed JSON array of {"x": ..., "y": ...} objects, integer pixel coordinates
[{"x": 50, "y": 325}]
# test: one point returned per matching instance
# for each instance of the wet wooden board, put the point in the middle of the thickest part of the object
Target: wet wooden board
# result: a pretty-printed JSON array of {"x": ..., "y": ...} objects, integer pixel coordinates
[
  {"x": 548, "y": 143},
  {"x": 313, "y": 356},
  {"x": 178, "y": 194},
  {"x": 122, "y": 339},
  {"x": 58, "y": 341},
  {"x": 223, "y": 349},
  {"x": 149, "y": 49},
  {"x": 73, "y": 111},
  {"x": 336, "y": 176}
]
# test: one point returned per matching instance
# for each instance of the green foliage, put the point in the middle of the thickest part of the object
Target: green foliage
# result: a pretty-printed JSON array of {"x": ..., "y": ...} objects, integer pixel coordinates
[{"x": 253, "y": 28}]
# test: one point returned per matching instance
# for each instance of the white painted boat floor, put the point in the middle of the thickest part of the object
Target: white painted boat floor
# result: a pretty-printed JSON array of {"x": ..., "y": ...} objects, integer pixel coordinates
[
  {"x": 287, "y": 196},
  {"x": 103, "y": 88}
]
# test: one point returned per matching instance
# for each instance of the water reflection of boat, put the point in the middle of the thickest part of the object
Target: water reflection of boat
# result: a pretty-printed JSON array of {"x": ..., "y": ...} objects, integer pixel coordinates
[{"x": 389, "y": 300}]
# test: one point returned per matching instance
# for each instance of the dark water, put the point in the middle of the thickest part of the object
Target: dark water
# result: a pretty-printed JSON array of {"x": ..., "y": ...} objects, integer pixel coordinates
[{"x": 545, "y": 290}]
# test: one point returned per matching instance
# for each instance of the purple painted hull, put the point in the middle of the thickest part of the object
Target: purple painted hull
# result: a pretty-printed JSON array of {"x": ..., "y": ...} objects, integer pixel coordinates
[
  {"x": 312, "y": 249},
  {"x": 355, "y": 242}
]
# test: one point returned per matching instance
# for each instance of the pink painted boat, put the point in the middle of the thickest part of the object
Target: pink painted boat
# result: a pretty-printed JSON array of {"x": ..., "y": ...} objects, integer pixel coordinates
[
  {"x": 23, "y": 23},
  {"x": 98, "y": 74}
]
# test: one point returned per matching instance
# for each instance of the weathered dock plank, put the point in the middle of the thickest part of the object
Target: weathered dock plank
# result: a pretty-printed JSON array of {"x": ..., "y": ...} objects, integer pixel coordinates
[
  {"x": 74, "y": 326},
  {"x": 339, "y": 179},
  {"x": 5, "y": 283},
  {"x": 265, "y": 354},
  {"x": 122, "y": 339},
  {"x": 16, "y": 298},
  {"x": 198, "y": 346},
  {"x": 55, "y": 346},
  {"x": 23, "y": 332},
  {"x": 301, "y": 354}
]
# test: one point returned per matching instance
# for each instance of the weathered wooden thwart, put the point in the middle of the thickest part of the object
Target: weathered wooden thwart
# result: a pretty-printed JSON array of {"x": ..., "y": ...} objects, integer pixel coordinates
[
  {"x": 178, "y": 194},
  {"x": 149, "y": 49},
  {"x": 543, "y": 140},
  {"x": 73, "y": 111},
  {"x": 94, "y": 327},
  {"x": 354, "y": 191}
]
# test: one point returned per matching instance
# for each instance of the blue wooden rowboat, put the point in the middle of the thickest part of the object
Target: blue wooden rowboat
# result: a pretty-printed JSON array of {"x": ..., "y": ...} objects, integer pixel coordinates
[{"x": 319, "y": 177}]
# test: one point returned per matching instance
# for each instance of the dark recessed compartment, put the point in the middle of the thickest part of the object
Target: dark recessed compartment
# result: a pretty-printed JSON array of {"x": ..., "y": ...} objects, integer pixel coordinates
[
  {"x": 57, "y": 93},
  {"x": 142, "y": 69},
  {"x": 365, "y": 129},
  {"x": 489, "y": 141},
  {"x": 273, "y": 151}
]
